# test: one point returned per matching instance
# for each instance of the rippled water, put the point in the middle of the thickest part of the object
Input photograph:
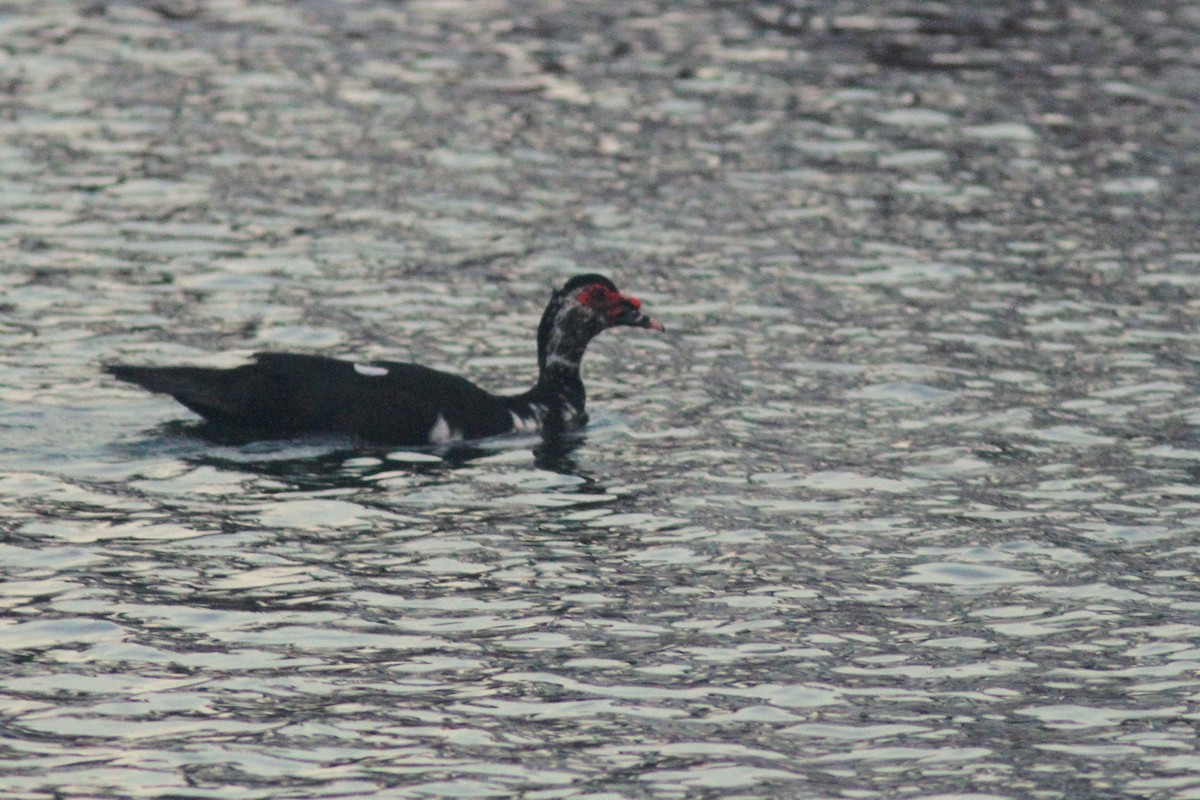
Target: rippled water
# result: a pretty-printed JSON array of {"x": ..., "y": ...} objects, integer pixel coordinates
[{"x": 904, "y": 504}]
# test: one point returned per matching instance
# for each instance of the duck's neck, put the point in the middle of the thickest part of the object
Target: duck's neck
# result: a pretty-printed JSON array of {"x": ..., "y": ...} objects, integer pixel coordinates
[{"x": 557, "y": 401}]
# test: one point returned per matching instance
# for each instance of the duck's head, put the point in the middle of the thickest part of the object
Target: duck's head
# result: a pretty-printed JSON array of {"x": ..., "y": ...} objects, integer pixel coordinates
[{"x": 582, "y": 308}]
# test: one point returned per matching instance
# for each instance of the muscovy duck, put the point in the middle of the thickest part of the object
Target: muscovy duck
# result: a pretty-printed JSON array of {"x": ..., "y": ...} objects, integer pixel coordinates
[{"x": 386, "y": 402}]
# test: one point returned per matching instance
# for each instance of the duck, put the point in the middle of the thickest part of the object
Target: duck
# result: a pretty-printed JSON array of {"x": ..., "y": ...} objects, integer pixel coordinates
[{"x": 281, "y": 395}]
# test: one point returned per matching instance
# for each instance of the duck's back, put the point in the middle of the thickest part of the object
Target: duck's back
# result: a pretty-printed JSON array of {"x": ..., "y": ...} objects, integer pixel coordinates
[{"x": 286, "y": 393}]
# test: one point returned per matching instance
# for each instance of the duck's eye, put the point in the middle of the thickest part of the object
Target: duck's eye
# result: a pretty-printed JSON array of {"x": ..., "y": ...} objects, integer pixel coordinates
[{"x": 600, "y": 298}]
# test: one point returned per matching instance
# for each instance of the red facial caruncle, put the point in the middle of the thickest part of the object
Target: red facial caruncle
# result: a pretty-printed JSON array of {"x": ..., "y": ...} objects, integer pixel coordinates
[{"x": 607, "y": 301}]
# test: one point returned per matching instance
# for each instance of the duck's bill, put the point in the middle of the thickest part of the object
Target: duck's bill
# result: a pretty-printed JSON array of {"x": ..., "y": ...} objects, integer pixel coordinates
[{"x": 636, "y": 319}]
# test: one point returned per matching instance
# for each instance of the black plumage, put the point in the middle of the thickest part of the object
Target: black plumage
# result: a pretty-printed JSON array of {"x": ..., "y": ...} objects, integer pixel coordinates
[{"x": 283, "y": 394}]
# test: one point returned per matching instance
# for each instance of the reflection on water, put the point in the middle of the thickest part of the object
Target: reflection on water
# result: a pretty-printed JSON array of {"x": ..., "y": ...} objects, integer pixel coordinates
[{"x": 907, "y": 497}]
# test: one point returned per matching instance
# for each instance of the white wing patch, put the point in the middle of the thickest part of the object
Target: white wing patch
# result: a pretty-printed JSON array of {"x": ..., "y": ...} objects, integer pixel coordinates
[
  {"x": 441, "y": 432},
  {"x": 370, "y": 370}
]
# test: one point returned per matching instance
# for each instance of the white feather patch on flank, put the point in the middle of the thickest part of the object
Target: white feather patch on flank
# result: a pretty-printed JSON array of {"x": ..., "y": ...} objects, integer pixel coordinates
[
  {"x": 524, "y": 424},
  {"x": 570, "y": 415},
  {"x": 370, "y": 370},
  {"x": 441, "y": 432}
]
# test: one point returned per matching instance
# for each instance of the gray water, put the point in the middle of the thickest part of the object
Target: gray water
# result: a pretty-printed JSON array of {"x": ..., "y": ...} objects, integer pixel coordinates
[{"x": 904, "y": 504}]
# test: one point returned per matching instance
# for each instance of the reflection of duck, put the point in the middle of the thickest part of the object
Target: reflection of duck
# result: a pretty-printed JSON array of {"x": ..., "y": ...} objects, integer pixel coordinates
[
  {"x": 282, "y": 394},
  {"x": 556, "y": 454}
]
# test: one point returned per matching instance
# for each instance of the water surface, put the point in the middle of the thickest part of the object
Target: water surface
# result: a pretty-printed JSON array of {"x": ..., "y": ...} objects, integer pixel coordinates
[{"x": 904, "y": 504}]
